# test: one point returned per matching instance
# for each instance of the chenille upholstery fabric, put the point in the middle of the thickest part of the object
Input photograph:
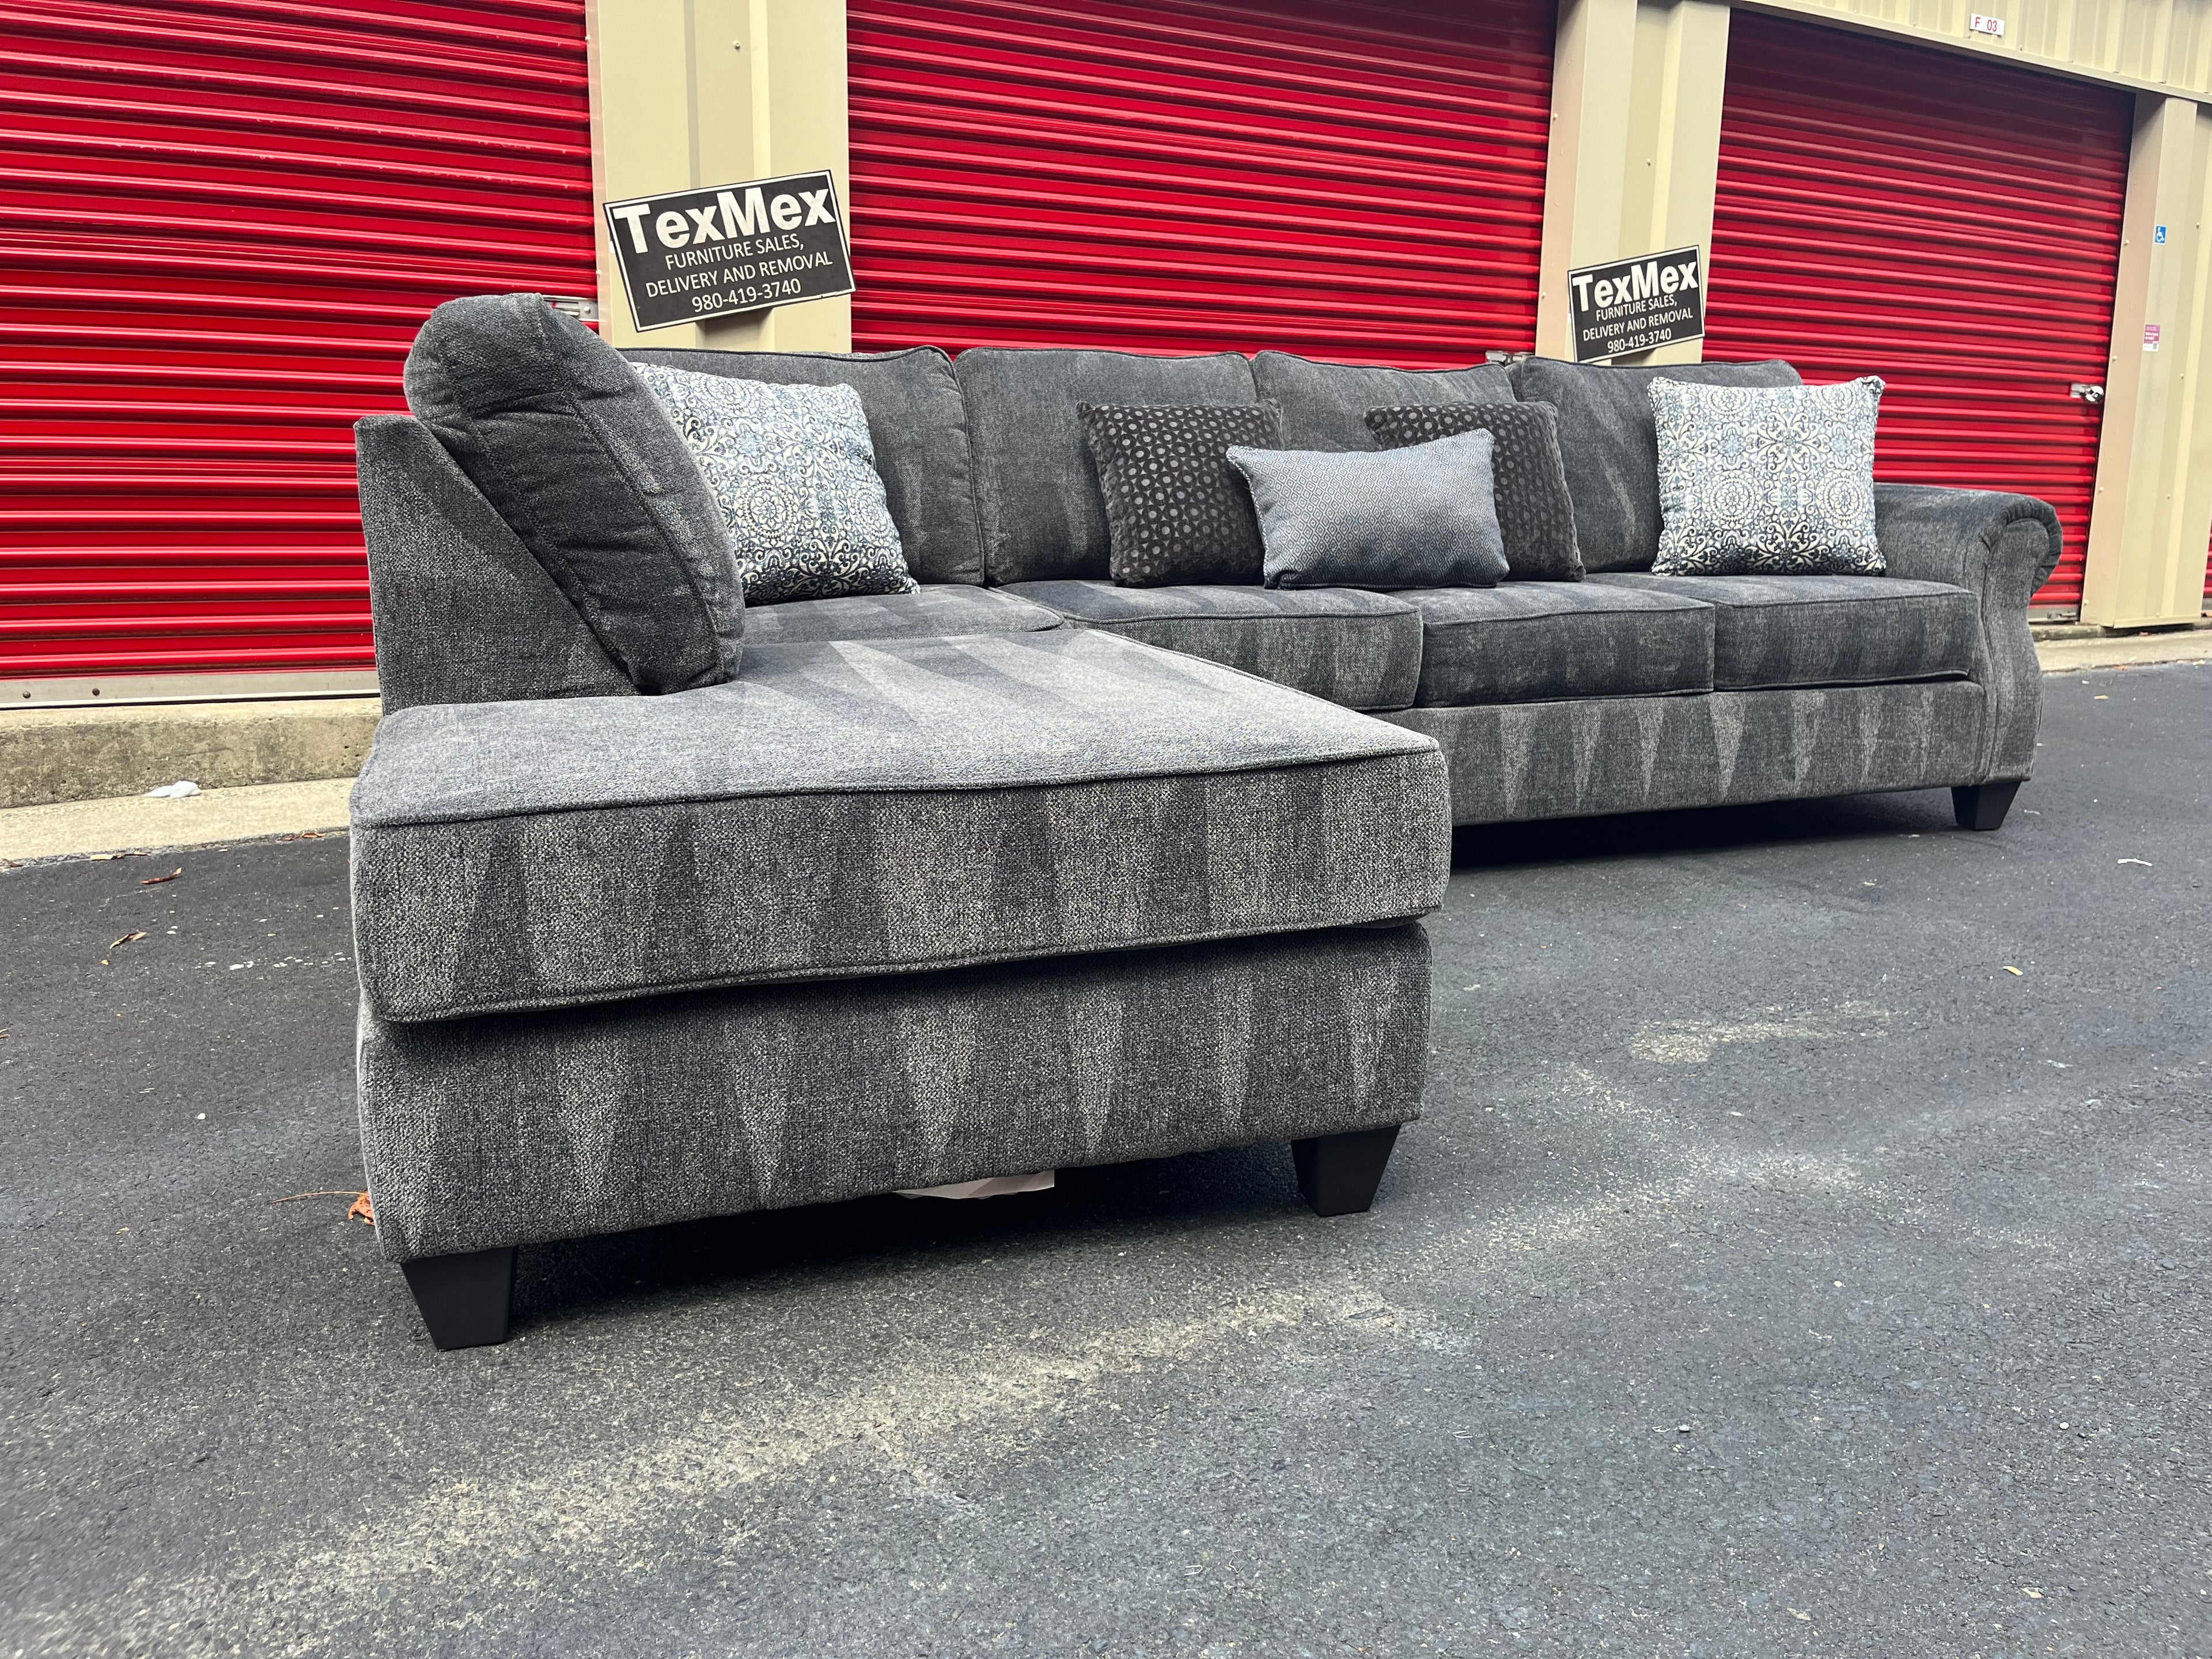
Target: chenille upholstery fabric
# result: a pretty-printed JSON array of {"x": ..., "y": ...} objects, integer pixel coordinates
[
  {"x": 1512, "y": 761},
  {"x": 1824, "y": 631},
  {"x": 463, "y": 613},
  {"x": 934, "y": 609},
  {"x": 1528, "y": 480},
  {"x": 1766, "y": 481},
  {"x": 1406, "y": 518},
  {"x": 519, "y": 1128},
  {"x": 1325, "y": 405},
  {"x": 1036, "y": 492},
  {"x": 1176, "y": 510},
  {"x": 1359, "y": 649},
  {"x": 917, "y": 422},
  {"x": 856, "y": 808},
  {"x": 560, "y": 436},
  {"x": 1609, "y": 442},
  {"x": 2000, "y": 548},
  {"x": 1542, "y": 642}
]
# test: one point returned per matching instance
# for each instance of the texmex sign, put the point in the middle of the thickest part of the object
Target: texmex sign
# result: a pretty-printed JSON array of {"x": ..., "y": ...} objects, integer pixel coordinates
[
  {"x": 1633, "y": 305},
  {"x": 698, "y": 254}
]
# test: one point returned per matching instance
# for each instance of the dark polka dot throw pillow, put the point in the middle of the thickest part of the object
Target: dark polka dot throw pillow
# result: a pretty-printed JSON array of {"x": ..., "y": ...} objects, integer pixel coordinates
[
  {"x": 1535, "y": 512},
  {"x": 1175, "y": 510}
]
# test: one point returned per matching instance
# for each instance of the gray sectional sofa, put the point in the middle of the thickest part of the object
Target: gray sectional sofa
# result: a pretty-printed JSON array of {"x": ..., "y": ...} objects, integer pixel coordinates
[
  {"x": 981, "y": 879},
  {"x": 1625, "y": 692}
]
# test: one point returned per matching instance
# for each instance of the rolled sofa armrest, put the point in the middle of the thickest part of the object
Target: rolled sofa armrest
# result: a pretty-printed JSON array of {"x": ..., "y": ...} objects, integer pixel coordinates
[
  {"x": 463, "y": 612},
  {"x": 2001, "y": 548}
]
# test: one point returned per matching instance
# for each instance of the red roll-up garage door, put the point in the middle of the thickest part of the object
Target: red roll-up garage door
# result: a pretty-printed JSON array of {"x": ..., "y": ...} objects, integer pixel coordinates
[
  {"x": 1951, "y": 225},
  {"x": 225, "y": 221},
  {"x": 1354, "y": 180}
]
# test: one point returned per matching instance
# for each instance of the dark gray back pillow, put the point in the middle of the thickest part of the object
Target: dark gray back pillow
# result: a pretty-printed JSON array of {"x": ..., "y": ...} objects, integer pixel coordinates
[
  {"x": 1176, "y": 513},
  {"x": 1036, "y": 495},
  {"x": 1610, "y": 443},
  {"x": 917, "y": 422},
  {"x": 1325, "y": 405},
  {"x": 563, "y": 440},
  {"x": 1530, "y": 483}
]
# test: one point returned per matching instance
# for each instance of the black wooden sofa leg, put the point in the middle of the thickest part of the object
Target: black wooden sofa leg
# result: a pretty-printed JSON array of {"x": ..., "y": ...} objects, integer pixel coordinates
[
  {"x": 1982, "y": 806},
  {"x": 1339, "y": 1173},
  {"x": 464, "y": 1298}
]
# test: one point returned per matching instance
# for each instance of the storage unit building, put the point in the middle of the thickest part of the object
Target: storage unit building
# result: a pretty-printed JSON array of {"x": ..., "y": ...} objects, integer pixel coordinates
[
  {"x": 1359, "y": 180},
  {"x": 225, "y": 223},
  {"x": 1951, "y": 225}
]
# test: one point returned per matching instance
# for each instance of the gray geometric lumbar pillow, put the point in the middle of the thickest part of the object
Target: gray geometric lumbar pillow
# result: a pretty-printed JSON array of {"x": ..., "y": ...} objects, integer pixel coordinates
[
  {"x": 1534, "y": 511},
  {"x": 794, "y": 473},
  {"x": 1757, "y": 481},
  {"x": 1421, "y": 517}
]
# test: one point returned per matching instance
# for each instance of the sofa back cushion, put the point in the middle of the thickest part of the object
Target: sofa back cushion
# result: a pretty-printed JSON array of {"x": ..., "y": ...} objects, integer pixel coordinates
[
  {"x": 1610, "y": 443},
  {"x": 1036, "y": 492},
  {"x": 1325, "y": 405},
  {"x": 917, "y": 422},
  {"x": 557, "y": 433}
]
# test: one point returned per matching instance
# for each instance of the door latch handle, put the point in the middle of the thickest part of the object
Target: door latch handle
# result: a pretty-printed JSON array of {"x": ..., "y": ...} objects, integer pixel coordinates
[{"x": 2085, "y": 392}]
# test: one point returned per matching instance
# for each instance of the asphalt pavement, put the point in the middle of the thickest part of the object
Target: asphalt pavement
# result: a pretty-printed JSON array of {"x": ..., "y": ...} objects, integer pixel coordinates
[{"x": 1807, "y": 1250}]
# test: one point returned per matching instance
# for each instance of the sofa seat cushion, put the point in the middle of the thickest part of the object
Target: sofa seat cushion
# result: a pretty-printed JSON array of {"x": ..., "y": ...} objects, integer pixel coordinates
[
  {"x": 1549, "y": 641},
  {"x": 935, "y": 609},
  {"x": 1826, "y": 630},
  {"x": 1362, "y": 650},
  {"x": 850, "y": 808}
]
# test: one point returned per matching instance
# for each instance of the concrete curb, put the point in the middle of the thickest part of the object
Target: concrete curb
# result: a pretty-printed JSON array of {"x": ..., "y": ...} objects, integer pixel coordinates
[
  {"x": 81, "y": 755},
  {"x": 2101, "y": 650},
  {"x": 137, "y": 824}
]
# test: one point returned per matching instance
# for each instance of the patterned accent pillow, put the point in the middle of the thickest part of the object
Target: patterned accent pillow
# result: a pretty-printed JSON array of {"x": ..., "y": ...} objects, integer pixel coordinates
[
  {"x": 1534, "y": 513},
  {"x": 794, "y": 473},
  {"x": 1175, "y": 510},
  {"x": 1388, "y": 519},
  {"x": 1758, "y": 481}
]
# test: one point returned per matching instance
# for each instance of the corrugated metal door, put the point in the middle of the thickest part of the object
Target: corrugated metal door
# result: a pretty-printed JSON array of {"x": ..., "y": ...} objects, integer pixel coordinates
[
  {"x": 1351, "y": 179},
  {"x": 225, "y": 221},
  {"x": 1951, "y": 225}
]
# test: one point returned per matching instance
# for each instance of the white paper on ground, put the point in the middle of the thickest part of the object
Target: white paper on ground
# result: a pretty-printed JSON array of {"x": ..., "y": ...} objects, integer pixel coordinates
[
  {"x": 177, "y": 791},
  {"x": 989, "y": 1187}
]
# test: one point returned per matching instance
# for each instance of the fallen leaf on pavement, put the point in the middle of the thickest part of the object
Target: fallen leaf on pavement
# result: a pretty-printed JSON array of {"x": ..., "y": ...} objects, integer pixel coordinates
[
  {"x": 363, "y": 1210},
  {"x": 2015, "y": 973},
  {"x": 127, "y": 937}
]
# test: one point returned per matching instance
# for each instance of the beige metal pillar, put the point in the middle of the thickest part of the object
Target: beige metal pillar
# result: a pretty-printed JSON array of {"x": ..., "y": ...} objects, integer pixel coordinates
[
  {"x": 2154, "y": 504},
  {"x": 687, "y": 92},
  {"x": 1635, "y": 147}
]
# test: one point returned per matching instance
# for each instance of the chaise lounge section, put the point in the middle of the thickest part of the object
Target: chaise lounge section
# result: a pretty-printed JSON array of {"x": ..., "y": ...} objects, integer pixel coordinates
[{"x": 933, "y": 889}]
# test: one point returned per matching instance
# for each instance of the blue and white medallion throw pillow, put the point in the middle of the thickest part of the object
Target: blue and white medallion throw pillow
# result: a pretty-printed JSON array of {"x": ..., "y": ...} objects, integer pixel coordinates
[
  {"x": 1766, "y": 481},
  {"x": 794, "y": 473}
]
